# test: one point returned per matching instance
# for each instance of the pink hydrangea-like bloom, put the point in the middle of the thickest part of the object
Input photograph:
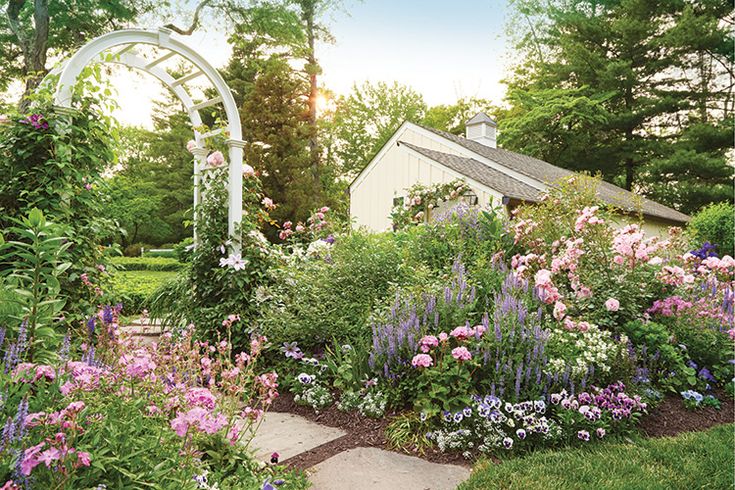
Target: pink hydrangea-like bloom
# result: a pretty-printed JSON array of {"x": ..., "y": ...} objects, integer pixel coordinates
[
  {"x": 675, "y": 276},
  {"x": 583, "y": 326},
  {"x": 248, "y": 171},
  {"x": 201, "y": 397},
  {"x": 462, "y": 333},
  {"x": 198, "y": 418},
  {"x": 215, "y": 159},
  {"x": 422, "y": 360},
  {"x": 190, "y": 145},
  {"x": 138, "y": 365},
  {"x": 443, "y": 337},
  {"x": 428, "y": 342},
  {"x": 612, "y": 304},
  {"x": 569, "y": 324},
  {"x": 300, "y": 228},
  {"x": 461, "y": 354}
]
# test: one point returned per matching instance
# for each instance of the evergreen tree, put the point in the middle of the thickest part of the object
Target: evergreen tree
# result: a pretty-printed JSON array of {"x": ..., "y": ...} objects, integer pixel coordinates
[{"x": 638, "y": 90}]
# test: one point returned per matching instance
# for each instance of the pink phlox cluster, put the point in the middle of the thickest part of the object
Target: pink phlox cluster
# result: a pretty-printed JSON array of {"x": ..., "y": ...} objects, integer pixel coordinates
[
  {"x": 139, "y": 364},
  {"x": 84, "y": 377},
  {"x": 201, "y": 397},
  {"x": 30, "y": 372},
  {"x": 200, "y": 419}
]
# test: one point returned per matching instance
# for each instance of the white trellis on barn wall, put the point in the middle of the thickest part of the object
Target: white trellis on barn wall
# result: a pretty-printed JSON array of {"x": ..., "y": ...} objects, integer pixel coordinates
[{"x": 119, "y": 47}]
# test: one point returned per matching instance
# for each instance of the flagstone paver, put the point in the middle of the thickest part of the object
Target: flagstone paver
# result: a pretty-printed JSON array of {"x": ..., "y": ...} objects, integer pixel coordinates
[
  {"x": 289, "y": 435},
  {"x": 371, "y": 468}
]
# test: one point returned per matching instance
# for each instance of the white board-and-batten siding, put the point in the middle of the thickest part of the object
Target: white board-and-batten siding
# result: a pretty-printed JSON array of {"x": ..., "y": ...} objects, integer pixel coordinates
[{"x": 396, "y": 168}]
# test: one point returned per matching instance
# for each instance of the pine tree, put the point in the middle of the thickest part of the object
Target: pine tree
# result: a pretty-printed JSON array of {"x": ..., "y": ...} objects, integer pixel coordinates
[{"x": 637, "y": 90}]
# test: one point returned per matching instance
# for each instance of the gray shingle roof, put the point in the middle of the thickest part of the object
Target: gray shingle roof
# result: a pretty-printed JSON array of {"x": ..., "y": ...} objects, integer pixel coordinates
[
  {"x": 547, "y": 173},
  {"x": 481, "y": 117},
  {"x": 473, "y": 169}
]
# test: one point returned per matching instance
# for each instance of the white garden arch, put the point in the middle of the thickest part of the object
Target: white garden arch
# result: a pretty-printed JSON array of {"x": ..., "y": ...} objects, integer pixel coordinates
[{"x": 119, "y": 47}]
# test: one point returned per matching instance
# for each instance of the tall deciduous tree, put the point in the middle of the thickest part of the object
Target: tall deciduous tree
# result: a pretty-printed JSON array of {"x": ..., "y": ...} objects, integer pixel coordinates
[
  {"x": 639, "y": 90},
  {"x": 366, "y": 119},
  {"x": 34, "y": 31}
]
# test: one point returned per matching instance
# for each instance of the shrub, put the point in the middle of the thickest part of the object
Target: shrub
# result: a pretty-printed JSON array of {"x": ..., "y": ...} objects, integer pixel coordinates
[
  {"x": 715, "y": 224},
  {"x": 134, "y": 250},
  {"x": 146, "y": 263},
  {"x": 55, "y": 164},
  {"x": 319, "y": 300}
]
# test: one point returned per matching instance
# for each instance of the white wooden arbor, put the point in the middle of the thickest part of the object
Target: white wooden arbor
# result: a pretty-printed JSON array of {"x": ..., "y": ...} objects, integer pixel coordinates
[{"x": 119, "y": 47}]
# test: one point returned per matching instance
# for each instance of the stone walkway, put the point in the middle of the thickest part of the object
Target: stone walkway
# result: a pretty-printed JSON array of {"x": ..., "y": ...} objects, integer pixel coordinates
[{"x": 362, "y": 468}]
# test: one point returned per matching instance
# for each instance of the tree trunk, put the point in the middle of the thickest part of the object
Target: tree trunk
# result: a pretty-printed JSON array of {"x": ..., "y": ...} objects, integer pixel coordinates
[{"x": 33, "y": 47}]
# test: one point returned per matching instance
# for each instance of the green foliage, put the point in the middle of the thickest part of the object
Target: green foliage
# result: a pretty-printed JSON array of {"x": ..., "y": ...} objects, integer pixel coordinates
[
  {"x": 151, "y": 194},
  {"x": 599, "y": 88},
  {"x": 317, "y": 302},
  {"x": 707, "y": 347},
  {"x": 146, "y": 263},
  {"x": 27, "y": 41},
  {"x": 55, "y": 165},
  {"x": 652, "y": 342},
  {"x": 37, "y": 258},
  {"x": 452, "y": 117},
  {"x": 134, "y": 288},
  {"x": 714, "y": 224},
  {"x": 690, "y": 460},
  {"x": 406, "y": 432},
  {"x": 367, "y": 118}
]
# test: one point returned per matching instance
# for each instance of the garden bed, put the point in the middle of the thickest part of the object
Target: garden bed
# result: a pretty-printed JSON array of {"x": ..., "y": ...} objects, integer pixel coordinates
[
  {"x": 671, "y": 417},
  {"x": 361, "y": 432}
]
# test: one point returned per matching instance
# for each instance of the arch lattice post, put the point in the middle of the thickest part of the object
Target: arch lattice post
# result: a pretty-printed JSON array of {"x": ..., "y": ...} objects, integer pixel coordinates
[{"x": 119, "y": 47}]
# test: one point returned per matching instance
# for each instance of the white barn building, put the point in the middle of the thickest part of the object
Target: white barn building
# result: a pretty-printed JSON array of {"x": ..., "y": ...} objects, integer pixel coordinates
[{"x": 418, "y": 154}]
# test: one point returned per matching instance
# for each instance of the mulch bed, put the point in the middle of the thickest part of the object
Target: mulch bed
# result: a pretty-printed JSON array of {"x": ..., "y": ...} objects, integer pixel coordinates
[
  {"x": 361, "y": 432},
  {"x": 671, "y": 417}
]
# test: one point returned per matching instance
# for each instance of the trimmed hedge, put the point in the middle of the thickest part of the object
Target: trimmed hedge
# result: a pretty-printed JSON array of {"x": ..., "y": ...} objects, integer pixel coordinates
[
  {"x": 133, "y": 288},
  {"x": 147, "y": 263}
]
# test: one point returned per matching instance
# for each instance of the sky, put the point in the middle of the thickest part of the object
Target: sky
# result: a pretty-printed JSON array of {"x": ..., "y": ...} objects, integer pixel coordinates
[{"x": 444, "y": 50}]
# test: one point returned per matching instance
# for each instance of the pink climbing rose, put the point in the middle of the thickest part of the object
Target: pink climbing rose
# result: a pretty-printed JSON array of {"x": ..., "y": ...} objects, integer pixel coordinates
[{"x": 216, "y": 159}]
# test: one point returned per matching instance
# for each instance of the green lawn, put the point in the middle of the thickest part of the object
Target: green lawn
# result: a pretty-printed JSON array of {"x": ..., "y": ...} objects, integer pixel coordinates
[
  {"x": 690, "y": 461},
  {"x": 134, "y": 287}
]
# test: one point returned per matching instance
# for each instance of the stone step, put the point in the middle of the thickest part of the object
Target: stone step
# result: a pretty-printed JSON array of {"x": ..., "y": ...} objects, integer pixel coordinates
[
  {"x": 289, "y": 435},
  {"x": 369, "y": 468}
]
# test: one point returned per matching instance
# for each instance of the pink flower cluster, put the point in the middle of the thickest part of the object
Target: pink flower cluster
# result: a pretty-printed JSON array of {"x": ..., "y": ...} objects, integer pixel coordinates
[
  {"x": 58, "y": 451},
  {"x": 201, "y": 397},
  {"x": 548, "y": 293},
  {"x": 215, "y": 159},
  {"x": 316, "y": 223},
  {"x": 199, "y": 419},
  {"x": 84, "y": 377},
  {"x": 30, "y": 373},
  {"x": 138, "y": 365},
  {"x": 632, "y": 247},
  {"x": 587, "y": 216}
]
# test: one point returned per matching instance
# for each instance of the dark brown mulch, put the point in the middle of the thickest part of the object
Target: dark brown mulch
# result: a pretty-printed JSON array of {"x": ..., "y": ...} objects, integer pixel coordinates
[
  {"x": 361, "y": 432},
  {"x": 671, "y": 417}
]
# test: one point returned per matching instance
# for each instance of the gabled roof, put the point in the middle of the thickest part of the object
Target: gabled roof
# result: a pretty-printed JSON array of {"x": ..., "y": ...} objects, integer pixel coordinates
[
  {"x": 478, "y": 171},
  {"x": 481, "y": 117},
  {"x": 547, "y": 173}
]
